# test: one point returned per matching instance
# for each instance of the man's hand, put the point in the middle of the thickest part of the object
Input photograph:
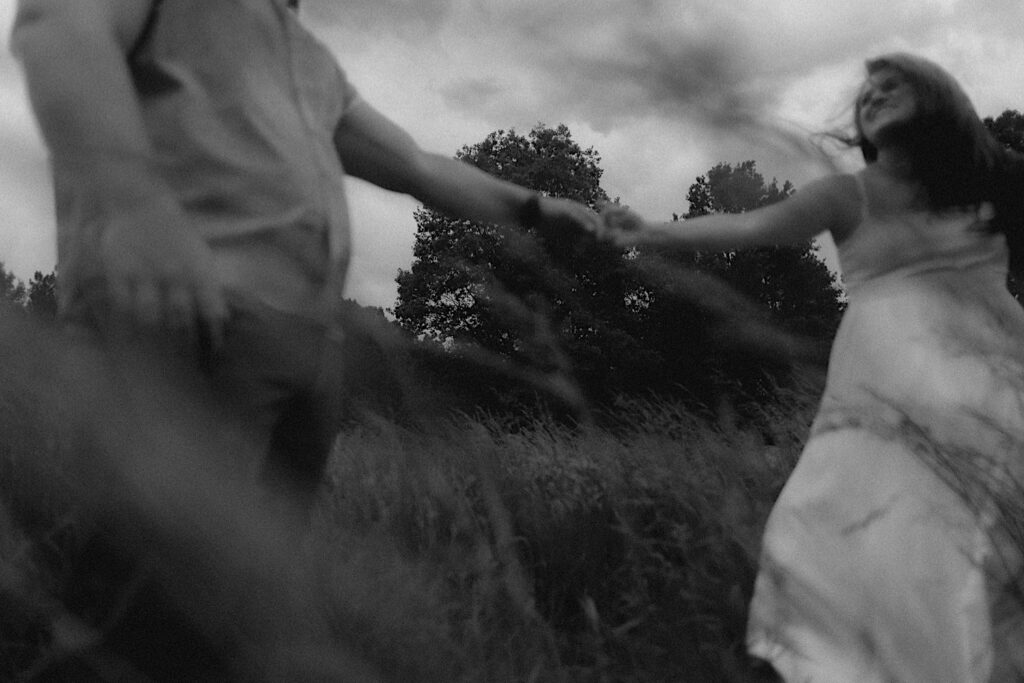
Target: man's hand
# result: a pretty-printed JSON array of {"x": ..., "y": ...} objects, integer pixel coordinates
[
  {"x": 159, "y": 274},
  {"x": 559, "y": 214}
]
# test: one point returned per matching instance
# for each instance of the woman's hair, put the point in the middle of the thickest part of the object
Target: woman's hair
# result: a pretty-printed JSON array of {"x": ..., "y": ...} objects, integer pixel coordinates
[{"x": 956, "y": 158}]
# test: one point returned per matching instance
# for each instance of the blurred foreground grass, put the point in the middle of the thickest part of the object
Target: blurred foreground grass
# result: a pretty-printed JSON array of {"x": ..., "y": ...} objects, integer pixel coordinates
[{"x": 475, "y": 549}]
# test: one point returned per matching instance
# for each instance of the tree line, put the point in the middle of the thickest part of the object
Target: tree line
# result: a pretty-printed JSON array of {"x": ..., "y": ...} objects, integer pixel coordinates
[
  {"x": 701, "y": 326},
  {"x": 39, "y": 296},
  {"x": 504, "y": 318}
]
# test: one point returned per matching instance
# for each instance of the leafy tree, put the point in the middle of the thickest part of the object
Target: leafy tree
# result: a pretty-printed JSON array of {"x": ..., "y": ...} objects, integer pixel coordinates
[
  {"x": 38, "y": 297},
  {"x": 790, "y": 282},
  {"x": 462, "y": 270},
  {"x": 536, "y": 299},
  {"x": 1008, "y": 128},
  {"x": 723, "y": 326},
  {"x": 41, "y": 297},
  {"x": 12, "y": 290},
  {"x": 552, "y": 304}
]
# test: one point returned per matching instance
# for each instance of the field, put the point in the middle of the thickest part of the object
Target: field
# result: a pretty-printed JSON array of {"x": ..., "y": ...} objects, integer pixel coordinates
[{"x": 479, "y": 548}]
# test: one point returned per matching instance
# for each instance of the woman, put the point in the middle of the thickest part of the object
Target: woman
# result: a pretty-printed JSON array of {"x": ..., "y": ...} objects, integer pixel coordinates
[{"x": 894, "y": 551}]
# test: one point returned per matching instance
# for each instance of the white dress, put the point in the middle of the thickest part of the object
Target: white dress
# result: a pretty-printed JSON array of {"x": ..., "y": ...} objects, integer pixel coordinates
[{"x": 894, "y": 551}]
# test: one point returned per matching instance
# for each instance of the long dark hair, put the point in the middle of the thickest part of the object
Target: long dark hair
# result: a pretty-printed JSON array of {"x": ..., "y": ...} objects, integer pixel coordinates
[{"x": 955, "y": 157}]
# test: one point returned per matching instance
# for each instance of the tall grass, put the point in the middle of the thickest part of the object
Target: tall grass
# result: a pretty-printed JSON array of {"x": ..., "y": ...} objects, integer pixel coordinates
[{"x": 478, "y": 549}]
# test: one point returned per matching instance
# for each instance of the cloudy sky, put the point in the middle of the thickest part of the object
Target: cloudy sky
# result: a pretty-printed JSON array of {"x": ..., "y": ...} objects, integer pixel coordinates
[{"x": 661, "y": 89}]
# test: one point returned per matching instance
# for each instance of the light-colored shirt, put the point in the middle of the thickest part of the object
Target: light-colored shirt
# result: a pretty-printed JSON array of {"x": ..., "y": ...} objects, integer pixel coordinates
[{"x": 241, "y": 103}]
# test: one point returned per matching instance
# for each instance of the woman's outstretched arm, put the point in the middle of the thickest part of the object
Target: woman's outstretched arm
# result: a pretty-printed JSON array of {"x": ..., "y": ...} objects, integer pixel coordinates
[{"x": 829, "y": 204}]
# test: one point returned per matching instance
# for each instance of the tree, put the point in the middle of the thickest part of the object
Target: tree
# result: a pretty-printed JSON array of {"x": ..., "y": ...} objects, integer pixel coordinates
[
  {"x": 536, "y": 299},
  {"x": 790, "y": 282},
  {"x": 462, "y": 270},
  {"x": 12, "y": 290},
  {"x": 1008, "y": 128},
  {"x": 725, "y": 326},
  {"x": 41, "y": 297},
  {"x": 555, "y": 304}
]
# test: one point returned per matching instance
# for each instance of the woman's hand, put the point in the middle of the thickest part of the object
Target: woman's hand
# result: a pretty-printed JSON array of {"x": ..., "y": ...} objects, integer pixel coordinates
[{"x": 557, "y": 213}]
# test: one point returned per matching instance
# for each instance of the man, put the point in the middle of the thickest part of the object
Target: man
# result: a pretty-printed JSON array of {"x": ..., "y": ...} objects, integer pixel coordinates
[{"x": 198, "y": 151}]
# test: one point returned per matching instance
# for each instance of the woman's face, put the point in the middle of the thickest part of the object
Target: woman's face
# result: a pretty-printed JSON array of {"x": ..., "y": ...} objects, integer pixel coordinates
[{"x": 887, "y": 100}]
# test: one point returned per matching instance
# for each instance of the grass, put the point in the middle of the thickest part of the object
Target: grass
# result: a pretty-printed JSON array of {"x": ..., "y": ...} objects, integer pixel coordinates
[{"x": 480, "y": 549}]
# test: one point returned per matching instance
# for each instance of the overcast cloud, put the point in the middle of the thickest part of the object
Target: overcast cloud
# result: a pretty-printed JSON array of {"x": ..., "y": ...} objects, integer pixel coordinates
[{"x": 661, "y": 89}]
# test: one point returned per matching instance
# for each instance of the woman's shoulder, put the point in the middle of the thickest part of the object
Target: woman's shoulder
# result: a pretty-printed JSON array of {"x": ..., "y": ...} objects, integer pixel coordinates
[
  {"x": 841, "y": 199},
  {"x": 843, "y": 187}
]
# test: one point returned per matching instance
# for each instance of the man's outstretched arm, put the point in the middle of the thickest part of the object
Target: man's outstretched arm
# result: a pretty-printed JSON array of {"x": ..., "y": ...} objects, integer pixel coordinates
[{"x": 377, "y": 150}]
